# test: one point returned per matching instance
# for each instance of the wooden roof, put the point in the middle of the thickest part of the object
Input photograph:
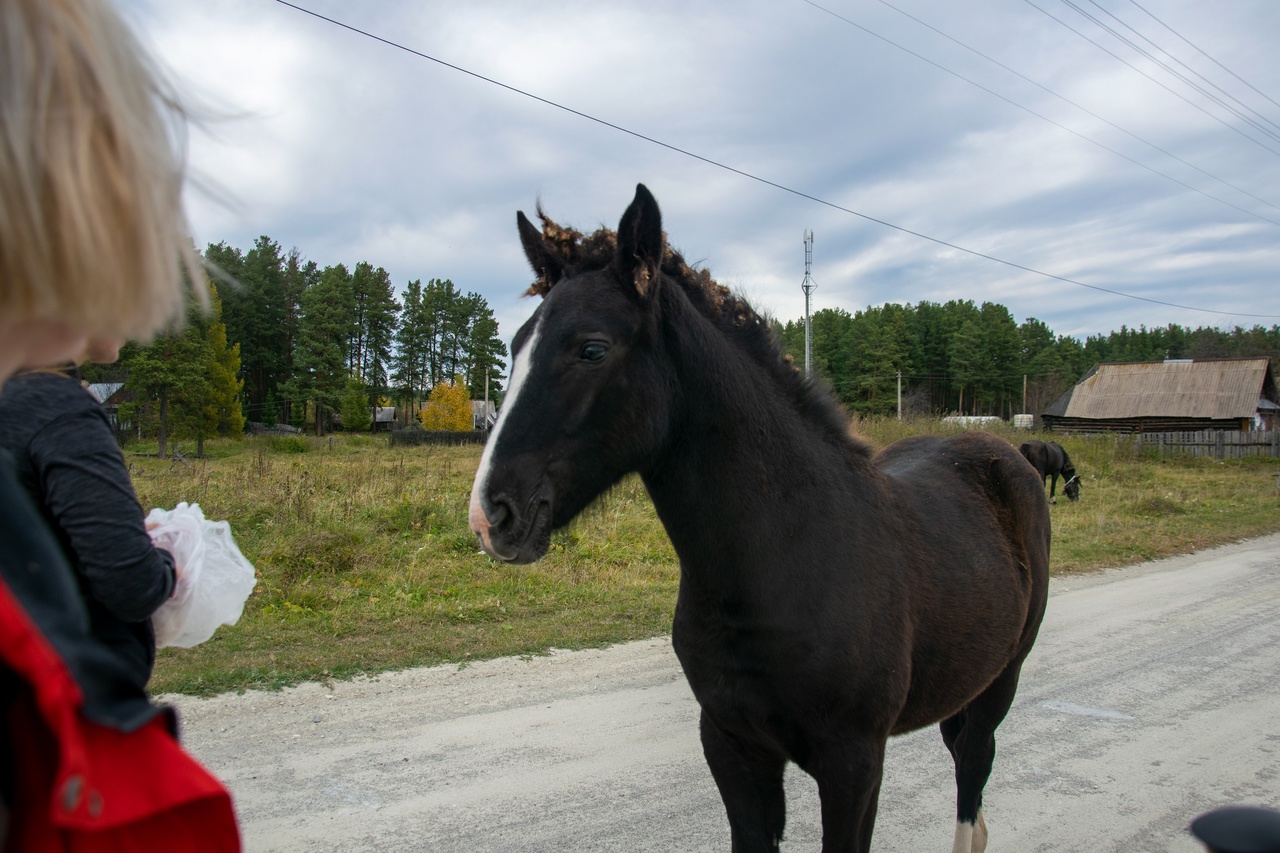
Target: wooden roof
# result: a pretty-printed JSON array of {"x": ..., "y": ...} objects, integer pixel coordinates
[{"x": 1205, "y": 388}]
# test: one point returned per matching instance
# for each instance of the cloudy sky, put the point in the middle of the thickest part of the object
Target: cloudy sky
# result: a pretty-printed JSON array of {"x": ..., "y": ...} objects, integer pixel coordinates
[{"x": 1091, "y": 163}]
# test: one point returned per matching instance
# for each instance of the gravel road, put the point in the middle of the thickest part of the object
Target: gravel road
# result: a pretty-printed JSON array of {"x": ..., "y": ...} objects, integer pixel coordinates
[{"x": 1152, "y": 695}]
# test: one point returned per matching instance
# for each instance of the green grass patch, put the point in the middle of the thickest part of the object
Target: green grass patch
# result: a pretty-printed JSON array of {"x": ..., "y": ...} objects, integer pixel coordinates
[
  {"x": 288, "y": 444},
  {"x": 366, "y": 563}
]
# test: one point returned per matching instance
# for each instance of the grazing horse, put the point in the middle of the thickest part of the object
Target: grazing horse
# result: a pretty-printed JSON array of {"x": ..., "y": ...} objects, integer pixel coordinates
[
  {"x": 1050, "y": 460},
  {"x": 829, "y": 598}
]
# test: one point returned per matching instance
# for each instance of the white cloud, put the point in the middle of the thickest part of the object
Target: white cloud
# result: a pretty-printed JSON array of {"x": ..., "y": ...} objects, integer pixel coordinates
[{"x": 353, "y": 150}]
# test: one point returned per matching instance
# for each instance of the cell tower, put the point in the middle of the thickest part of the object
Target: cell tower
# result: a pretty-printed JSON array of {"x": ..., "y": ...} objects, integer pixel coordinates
[{"x": 808, "y": 286}]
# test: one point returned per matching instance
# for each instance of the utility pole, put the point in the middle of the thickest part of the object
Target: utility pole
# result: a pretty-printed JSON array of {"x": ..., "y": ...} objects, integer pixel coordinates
[
  {"x": 899, "y": 395},
  {"x": 808, "y": 286}
]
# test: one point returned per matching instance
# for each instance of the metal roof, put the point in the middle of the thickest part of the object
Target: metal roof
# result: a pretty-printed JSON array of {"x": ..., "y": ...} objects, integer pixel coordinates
[
  {"x": 102, "y": 391},
  {"x": 1208, "y": 388}
]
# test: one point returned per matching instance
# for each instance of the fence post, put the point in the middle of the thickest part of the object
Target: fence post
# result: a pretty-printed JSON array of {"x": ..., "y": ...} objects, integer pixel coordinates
[{"x": 1219, "y": 447}]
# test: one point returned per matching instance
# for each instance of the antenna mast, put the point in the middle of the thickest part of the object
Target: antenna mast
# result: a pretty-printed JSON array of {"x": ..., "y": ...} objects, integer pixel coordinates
[{"x": 808, "y": 286}]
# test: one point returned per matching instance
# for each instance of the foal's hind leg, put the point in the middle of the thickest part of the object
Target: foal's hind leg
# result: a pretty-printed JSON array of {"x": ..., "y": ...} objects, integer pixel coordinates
[
  {"x": 970, "y": 735},
  {"x": 750, "y": 781}
]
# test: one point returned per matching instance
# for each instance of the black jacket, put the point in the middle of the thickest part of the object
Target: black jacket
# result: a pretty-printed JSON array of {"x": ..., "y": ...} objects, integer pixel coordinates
[{"x": 67, "y": 460}]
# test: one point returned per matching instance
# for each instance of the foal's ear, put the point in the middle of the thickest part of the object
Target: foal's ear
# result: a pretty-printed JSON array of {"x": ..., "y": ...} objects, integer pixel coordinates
[
  {"x": 640, "y": 242},
  {"x": 545, "y": 264}
]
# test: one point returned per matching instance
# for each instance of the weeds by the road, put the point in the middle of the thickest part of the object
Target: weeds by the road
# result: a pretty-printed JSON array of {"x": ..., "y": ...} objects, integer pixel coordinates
[{"x": 366, "y": 563}]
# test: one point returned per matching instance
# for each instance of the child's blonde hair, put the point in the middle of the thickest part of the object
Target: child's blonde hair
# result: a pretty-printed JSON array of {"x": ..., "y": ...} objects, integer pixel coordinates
[{"x": 92, "y": 229}]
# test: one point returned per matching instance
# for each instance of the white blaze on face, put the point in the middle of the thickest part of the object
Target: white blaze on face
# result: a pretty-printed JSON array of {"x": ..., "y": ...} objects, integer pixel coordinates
[{"x": 519, "y": 374}]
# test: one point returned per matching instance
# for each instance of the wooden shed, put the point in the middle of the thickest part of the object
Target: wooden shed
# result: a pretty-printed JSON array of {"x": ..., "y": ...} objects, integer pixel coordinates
[
  {"x": 483, "y": 414},
  {"x": 1177, "y": 394}
]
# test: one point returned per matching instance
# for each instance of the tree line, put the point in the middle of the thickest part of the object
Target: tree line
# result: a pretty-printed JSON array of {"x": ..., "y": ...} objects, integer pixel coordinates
[
  {"x": 304, "y": 344},
  {"x": 289, "y": 342},
  {"x": 185, "y": 383},
  {"x": 961, "y": 357}
]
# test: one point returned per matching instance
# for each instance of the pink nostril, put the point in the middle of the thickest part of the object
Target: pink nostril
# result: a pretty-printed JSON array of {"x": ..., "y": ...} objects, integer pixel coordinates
[{"x": 483, "y": 522}]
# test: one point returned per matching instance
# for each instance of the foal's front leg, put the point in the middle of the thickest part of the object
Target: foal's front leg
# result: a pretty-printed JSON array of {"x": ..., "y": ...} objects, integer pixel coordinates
[
  {"x": 848, "y": 774},
  {"x": 749, "y": 777}
]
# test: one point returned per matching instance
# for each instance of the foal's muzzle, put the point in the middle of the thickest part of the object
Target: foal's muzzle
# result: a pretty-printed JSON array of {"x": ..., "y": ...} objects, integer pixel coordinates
[{"x": 506, "y": 533}]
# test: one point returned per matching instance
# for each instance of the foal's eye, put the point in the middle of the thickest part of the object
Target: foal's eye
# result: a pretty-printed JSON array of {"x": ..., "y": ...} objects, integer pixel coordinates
[{"x": 593, "y": 351}]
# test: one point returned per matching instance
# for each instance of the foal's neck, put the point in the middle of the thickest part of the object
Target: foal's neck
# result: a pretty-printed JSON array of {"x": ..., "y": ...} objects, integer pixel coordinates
[{"x": 744, "y": 469}]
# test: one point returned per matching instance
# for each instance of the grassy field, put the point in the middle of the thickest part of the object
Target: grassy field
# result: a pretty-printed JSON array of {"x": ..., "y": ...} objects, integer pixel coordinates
[{"x": 366, "y": 564}]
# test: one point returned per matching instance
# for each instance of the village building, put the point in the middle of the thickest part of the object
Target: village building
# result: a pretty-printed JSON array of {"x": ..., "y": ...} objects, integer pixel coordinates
[{"x": 1171, "y": 395}]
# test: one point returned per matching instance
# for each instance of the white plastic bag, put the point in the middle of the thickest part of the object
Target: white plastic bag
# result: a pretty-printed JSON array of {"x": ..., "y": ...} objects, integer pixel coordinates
[{"x": 214, "y": 578}]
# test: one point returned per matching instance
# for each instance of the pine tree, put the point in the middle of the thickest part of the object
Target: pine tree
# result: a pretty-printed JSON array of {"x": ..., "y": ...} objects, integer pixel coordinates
[
  {"x": 408, "y": 365},
  {"x": 966, "y": 357},
  {"x": 223, "y": 408},
  {"x": 320, "y": 358},
  {"x": 356, "y": 411},
  {"x": 169, "y": 379},
  {"x": 373, "y": 328},
  {"x": 485, "y": 353},
  {"x": 298, "y": 276}
]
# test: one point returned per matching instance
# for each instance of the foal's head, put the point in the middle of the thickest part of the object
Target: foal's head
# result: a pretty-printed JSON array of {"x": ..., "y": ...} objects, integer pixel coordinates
[{"x": 590, "y": 392}]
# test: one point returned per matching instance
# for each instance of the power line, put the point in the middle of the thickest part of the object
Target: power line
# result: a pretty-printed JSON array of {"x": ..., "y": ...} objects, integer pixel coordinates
[
  {"x": 711, "y": 162},
  {"x": 1260, "y": 117},
  {"x": 1152, "y": 79},
  {"x": 1066, "y": 100},
  {"x": 1202, "y": 53},
  {"x": 1192, "y": 84}
]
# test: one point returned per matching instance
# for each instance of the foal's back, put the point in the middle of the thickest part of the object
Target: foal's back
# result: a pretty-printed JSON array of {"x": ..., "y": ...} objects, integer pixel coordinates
[
  {"x": 974, "y": 515},
  {"x": 970, "y": 477}
]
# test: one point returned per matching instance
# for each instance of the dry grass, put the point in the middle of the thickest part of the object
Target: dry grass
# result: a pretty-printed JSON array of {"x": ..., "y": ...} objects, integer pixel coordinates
[
  {"x": 1136, "y": 507},
  {"x": 366, "y": 563}
]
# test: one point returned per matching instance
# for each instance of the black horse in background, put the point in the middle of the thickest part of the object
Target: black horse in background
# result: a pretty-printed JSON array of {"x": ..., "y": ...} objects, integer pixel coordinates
[
  {"x": 830, "y": 597},
  {"x": 1050, "y": 460}
]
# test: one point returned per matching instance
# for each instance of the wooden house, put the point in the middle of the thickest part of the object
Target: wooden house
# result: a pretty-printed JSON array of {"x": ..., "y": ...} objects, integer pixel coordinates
[
  {"x": 384, "y": 417},
  {"x": 483, "y": 414},
  {"x": 1172, "y": 395},
  {"x": 110, "y": 395}
]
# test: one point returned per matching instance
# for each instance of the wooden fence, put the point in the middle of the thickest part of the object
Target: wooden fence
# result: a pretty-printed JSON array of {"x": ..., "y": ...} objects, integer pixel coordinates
[
  {"x": 412, "y": 437},
  {"x": 1220, "y": 444}
]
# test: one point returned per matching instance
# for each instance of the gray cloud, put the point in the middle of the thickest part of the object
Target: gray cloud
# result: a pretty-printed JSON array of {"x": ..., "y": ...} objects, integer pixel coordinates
[{"x": 353, "y": 150}]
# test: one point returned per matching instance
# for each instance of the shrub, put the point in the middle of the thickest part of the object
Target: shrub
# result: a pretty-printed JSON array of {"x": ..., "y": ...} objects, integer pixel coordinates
[
  {"x": 357, "y": 414},
  {"x": 449, "y": 408},
  {"x": 288, "y": 444}
]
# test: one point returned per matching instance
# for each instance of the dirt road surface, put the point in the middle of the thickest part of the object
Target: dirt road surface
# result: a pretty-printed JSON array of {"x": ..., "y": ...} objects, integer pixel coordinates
[{"x": 1152, "y": 695}]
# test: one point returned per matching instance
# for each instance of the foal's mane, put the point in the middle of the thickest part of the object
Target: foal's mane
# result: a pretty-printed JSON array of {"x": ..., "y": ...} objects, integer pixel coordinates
[{"x": 728, "y": 312}]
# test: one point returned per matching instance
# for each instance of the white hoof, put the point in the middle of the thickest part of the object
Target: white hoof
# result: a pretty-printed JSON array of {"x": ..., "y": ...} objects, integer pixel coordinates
[{"x": 970, "y": 837}]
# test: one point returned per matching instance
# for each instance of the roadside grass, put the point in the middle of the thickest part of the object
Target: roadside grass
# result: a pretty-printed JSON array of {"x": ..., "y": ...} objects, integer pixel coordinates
[
  {"x": 1136, "y": 507},
  {"x": 366, "y": 563}
]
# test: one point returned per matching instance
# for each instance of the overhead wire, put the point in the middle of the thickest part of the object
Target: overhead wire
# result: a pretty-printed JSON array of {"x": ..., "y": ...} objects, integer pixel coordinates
[
  {"x": 1259, "y": 117},
  {"x": 1056, "y": 124},
  {"x": 1164, "y": 86},
  {"x": 1196, "y": 48},
  {"x": 1172, "y": 72},
  {"x": 750, "y": 176},
  {"x": 1067, "y": 100}
]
